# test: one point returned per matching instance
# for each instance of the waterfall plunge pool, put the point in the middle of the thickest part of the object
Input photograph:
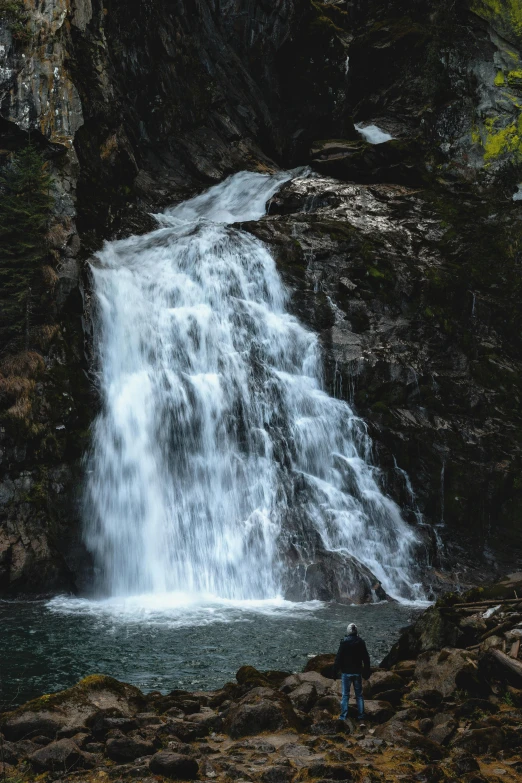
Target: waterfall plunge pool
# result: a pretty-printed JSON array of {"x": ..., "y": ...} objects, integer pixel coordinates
[{"x": 173, "y": 641}]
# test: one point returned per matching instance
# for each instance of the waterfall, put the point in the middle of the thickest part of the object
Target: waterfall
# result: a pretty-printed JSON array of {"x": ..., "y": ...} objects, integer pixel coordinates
[{"x": 216, "y": 445}]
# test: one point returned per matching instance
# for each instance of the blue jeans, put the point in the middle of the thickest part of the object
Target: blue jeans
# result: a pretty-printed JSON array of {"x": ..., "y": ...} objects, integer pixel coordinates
[{"x": 347, "y": 680}]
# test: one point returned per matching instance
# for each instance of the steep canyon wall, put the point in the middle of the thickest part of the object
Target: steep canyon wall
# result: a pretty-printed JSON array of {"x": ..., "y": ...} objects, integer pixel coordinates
[{"x": 407, "y": 262}]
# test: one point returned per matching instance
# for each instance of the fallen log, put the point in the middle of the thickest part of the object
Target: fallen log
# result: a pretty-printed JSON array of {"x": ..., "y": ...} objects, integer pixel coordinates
[
  {"x": 498, "y": 629},
  {"x": 515, "y": 647},
  {"x": 509, "y": 667},
  {"x": 498, "y": 601}
]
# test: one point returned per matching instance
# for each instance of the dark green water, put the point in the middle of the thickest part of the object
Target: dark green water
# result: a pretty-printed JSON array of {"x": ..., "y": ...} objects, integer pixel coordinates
[{"x": 46, "y": 647}]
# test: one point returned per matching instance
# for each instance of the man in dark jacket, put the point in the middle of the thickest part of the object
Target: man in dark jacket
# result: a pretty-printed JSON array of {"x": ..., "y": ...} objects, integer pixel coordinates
[{"x": 353, "y": 662}]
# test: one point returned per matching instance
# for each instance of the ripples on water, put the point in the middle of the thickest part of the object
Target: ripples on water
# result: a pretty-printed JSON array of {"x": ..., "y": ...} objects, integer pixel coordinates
[{"x": 173, "y": 641}]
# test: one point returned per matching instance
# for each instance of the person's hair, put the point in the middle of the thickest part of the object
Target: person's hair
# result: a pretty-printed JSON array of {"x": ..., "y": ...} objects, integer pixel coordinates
[{"x": 352, "y": 628}]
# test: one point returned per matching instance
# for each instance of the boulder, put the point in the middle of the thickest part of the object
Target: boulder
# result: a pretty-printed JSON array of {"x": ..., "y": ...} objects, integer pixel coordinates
[
  {"x": 378, "y": 711},
  {"x": 329, "y": 727},
  {"x": 449, "y": 670},
  {"x": 27, "y": 724},
  {"x": 398, "y": 734},
  {"x": 329, "y": 704},
  {"x": 393, "y": 697},
  {"x": 9, "y": 752},
  {"x": 73, "y": 707},
  {"x": 433, "y": 630},
  {"x": 477, "y": 742},
  {"x": 61, "y": 756},
  {"x": 304, "y": 696},
  {"x": 322, "y": 664},
  {"x": 428, "y": 696},
  {"x": 443, "y": 730},
  {"x": 321, "y": 684},
  {"x": 104, "y": 721},
  {"x": 208, "y": 720},
  {"x": 249, "y": 676},
  {"x": 277, "y": 774},
  {"x": 174, "y": 765},
  {"x": 261, "y": 715},
  {"x": 383, "y": 681},
  {"x": 128, "y": 748},
  {"x": 462, "y": 764},
  {"x": 186, "y": 730}
]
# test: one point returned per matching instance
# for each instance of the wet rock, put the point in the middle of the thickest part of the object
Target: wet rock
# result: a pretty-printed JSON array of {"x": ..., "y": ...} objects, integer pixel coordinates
[
  {"x": 60, "y": 756},
  {"x": 174, "y": 766},
  {"x": 128, "y": 748}
]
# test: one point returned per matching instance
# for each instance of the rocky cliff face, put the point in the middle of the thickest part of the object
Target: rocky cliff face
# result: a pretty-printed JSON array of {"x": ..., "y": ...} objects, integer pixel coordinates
[{"x": 407, "y": 262}]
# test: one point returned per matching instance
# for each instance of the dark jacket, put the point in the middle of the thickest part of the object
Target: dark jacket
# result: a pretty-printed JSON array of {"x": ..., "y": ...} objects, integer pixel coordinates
[{"x": 352, "y": 657}]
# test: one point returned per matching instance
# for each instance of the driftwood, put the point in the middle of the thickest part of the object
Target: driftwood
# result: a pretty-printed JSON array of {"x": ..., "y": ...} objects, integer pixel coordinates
[
  {"x": 511, "y": 669},
  {"x": 504, "y": 626},
  {"x": 497, "y": 601},
  {"x": 515, "y": 647}
]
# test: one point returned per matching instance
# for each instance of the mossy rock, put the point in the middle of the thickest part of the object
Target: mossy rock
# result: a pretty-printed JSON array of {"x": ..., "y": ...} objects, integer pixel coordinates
[{"x": 74, "y": 706}]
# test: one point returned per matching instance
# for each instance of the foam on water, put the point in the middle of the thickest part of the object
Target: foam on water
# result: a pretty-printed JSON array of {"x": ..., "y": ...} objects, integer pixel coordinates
[
  {"x": 373, "y": 134},
  {"x": 217, "y": 451},
  {"x": 179, "y": 609}
]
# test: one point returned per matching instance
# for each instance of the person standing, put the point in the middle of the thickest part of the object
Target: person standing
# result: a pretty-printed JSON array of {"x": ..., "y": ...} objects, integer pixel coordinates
[{"x": 353, "y": 661}]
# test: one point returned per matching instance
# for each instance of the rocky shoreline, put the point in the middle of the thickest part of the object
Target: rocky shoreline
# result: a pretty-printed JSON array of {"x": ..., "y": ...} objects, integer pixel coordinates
[{"x": 444, "y": 705}]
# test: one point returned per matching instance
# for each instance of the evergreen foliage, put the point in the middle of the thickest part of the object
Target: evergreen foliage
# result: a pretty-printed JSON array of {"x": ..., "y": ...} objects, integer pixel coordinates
[
  {"x": 15, "y": 15},
  {"x": 25, "y": 209}
]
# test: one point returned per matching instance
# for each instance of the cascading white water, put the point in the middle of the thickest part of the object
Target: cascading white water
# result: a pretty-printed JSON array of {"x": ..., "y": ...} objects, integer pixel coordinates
[{"x": 215, "y": 431}]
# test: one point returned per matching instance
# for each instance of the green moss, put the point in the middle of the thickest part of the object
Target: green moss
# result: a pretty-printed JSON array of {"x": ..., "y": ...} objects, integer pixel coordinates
[
  {"x": 374, "y": 272},
  {"x": 79, "y": 691},
  {"x": 505, "y": 15},
  {"x": 502, "y": 141},
  {"x": 514, "y": 78},
  {"x": 500, "y": 79}
]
